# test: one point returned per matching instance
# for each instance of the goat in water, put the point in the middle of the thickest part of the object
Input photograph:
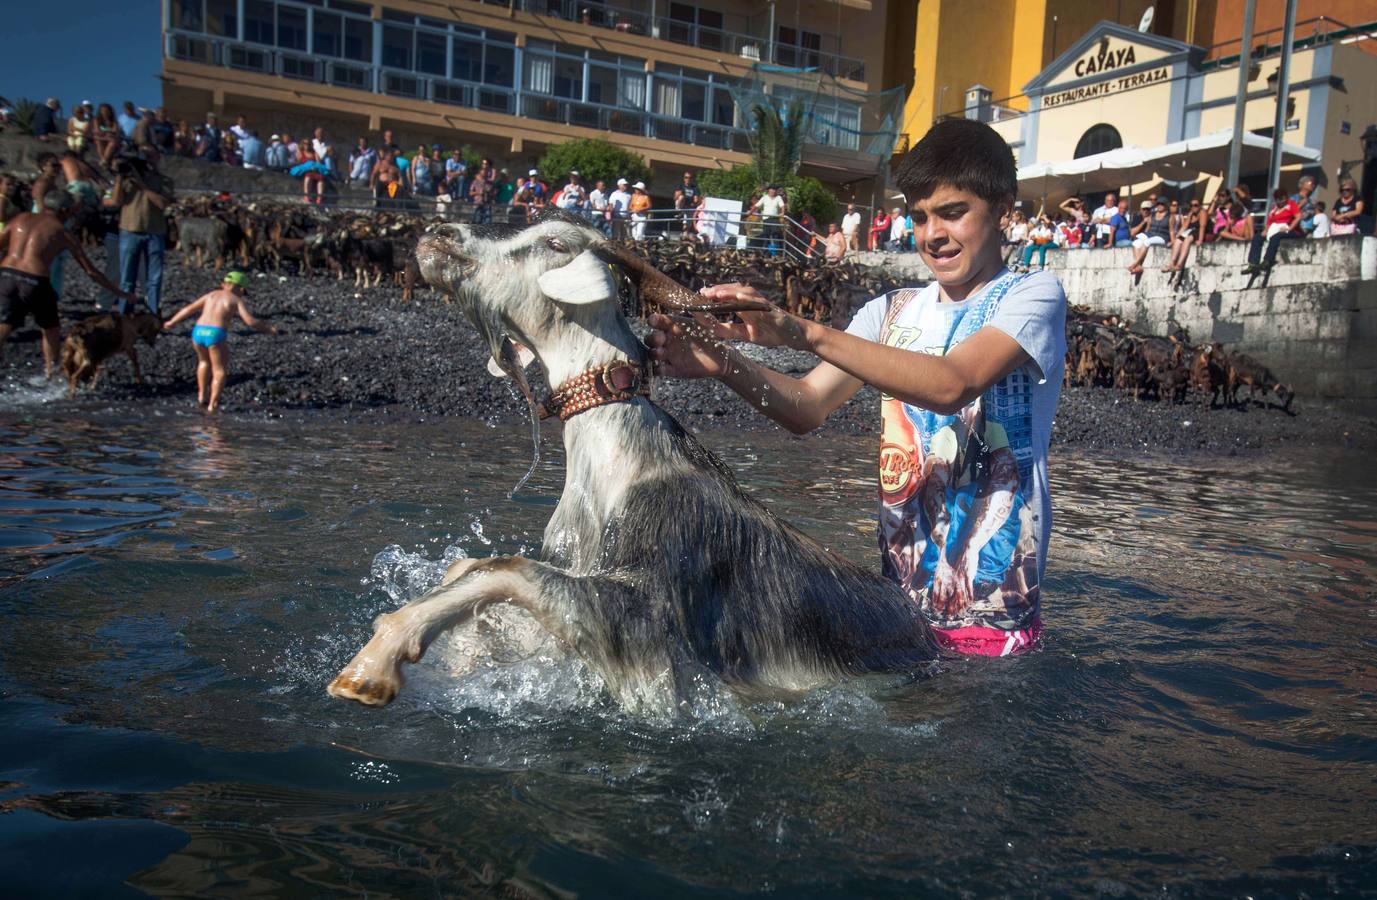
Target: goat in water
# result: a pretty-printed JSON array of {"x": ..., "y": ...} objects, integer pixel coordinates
[{"x": 655, "y": 568}]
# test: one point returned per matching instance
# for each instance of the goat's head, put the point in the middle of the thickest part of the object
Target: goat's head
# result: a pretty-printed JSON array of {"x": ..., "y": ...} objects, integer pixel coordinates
[{"x": 549, "y": 286}]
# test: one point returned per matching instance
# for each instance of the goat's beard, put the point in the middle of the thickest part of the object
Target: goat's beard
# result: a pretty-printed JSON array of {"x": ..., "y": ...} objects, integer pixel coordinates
[{"x": 497, "y": 336}]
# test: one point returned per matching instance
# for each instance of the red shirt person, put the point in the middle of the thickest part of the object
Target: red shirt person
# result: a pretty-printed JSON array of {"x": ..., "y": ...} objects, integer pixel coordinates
[{"x": 1281, "y": 222}]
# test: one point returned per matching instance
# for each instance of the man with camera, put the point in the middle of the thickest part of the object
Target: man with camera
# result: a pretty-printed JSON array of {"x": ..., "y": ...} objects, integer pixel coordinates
[{"x": 142, "y": 194}]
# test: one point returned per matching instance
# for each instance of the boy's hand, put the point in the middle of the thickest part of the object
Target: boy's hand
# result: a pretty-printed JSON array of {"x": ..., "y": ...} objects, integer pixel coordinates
[
  {"x": 683, "y": 347},
  {"x": 775, "y": 328},
  {"x": 273, "y": 329}
]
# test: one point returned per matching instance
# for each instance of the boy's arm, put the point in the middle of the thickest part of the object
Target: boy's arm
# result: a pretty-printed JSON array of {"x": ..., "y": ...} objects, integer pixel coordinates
[
  {"x": 187, "y": 311},
  {"x": 256, "y": 324},
  {"x": 799, "y": 404},
  {"x": 943, "y": 384}
]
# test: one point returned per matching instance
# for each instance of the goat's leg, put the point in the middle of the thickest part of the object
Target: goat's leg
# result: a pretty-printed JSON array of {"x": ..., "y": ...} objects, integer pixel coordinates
[
  {"x": 639, "y": 665},
  {"x": 374, "y": 676},
  {"x": 134, "y": 361}
]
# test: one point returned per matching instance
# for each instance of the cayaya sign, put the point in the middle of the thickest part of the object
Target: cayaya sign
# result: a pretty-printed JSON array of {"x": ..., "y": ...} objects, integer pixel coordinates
[{"x": 1104, "y": 59}]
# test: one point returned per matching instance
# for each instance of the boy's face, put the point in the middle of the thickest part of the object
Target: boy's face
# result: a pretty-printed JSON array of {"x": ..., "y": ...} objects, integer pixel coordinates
[{"x": 957, "y": 234}]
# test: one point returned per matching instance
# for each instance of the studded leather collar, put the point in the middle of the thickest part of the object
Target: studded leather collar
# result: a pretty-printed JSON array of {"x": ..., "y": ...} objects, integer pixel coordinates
[{"x": 614, "y": 382}]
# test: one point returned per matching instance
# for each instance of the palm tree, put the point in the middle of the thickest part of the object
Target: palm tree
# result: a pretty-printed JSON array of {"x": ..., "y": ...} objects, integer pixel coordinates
[
  {"x": 778, "y": 140},
  {"x": 22, "y": 112}
]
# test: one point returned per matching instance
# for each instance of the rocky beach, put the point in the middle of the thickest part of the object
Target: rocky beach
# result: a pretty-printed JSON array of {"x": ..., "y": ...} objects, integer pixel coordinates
[{"x": 369, "y": 354}]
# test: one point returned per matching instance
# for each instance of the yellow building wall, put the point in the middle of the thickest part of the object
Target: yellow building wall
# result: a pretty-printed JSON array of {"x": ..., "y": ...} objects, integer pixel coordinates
[
  {"x": 1061, "y": 127},
  {"x": 959, "y": 43}
]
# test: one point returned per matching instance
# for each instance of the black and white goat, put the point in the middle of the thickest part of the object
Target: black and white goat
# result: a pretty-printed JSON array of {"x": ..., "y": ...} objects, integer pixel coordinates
[{"x": 656, "y": 568}]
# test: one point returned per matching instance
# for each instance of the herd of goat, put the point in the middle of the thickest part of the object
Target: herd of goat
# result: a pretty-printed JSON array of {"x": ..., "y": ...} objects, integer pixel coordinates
[{"x": 370, "y": 247}]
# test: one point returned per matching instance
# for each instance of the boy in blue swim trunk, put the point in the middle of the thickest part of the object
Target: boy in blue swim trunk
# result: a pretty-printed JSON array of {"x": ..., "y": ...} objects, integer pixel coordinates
[{"x": 210, "y": 336}]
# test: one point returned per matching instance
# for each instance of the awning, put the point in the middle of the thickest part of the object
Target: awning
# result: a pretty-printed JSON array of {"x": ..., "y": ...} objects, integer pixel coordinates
[
  {"x": 1185, "y": 160},
  {"x": 1208, "y": 154}
]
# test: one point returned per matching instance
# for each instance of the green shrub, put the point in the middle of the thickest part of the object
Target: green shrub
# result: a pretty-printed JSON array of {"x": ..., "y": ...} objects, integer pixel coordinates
[
  {"x": 805, "y": 193},
  {"x": 594, "y": 159}
]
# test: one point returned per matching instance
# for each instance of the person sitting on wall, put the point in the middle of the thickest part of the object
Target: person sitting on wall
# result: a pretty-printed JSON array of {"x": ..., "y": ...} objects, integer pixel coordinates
[
  {"x": 1040, "y": 239},
  {"x": 879, "y": 229},
  {"x": 1320, "y": 222},
  {"x": 1305, "y": 201},
  {"x": 1120, "y": 227},
  {"x": 1192, "y": 227},
  {"x": 1281, "y": 222},
  {"x": 1347, "y": 209},
  {"x": 1238, "y": 223},
  {"x": 1154, "y": 231},
  {"x": 1104, "y": 231}
]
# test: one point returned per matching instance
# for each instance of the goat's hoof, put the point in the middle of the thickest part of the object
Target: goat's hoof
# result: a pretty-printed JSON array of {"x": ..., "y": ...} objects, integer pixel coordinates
[{"x": 352, "y": 684}]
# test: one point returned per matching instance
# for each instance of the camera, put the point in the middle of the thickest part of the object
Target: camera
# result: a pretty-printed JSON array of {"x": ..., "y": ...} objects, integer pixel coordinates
[{"x": 128, "y": 165}]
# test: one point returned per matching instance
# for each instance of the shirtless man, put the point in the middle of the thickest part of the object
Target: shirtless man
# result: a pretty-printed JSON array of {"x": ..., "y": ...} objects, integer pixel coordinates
[
  {"x": 29, "y": 245},
  {"x": 211, "y": 333}
]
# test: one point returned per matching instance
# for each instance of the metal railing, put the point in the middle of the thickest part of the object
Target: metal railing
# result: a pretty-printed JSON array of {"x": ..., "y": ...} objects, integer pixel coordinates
[
  {"x": 738, "y": 231},
  {"x": 409, "y": 85},
  {"x": 750, "y": 47}
]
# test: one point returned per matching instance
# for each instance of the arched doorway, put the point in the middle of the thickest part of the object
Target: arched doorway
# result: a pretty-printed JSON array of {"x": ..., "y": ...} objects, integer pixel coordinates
[{"x": 1099, "y": 139}]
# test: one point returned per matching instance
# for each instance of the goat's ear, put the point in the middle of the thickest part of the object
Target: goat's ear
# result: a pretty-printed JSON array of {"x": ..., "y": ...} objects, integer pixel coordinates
[
  {"x": 524, "y": 357},
  {"x": 586, "y": 279}
]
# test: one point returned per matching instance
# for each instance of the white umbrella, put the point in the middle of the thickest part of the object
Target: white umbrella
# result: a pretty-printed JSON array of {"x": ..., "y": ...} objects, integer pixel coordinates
[
  {"x": 1208, "y": 154},
  {"x": 1178, "y": 161}
]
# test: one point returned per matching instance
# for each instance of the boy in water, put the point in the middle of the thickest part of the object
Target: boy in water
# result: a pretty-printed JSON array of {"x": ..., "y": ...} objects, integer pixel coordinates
[
  {"x": 969, "y": 369},
  {"x": 210, "y": 336}
]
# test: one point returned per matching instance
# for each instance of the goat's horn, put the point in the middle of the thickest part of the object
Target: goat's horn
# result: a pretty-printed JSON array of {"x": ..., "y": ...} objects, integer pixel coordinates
[{"x": 661, "y": 290}]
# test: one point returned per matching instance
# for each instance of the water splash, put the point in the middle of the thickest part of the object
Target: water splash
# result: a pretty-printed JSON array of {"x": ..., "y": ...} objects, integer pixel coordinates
[{"x": 21, "y": 391}]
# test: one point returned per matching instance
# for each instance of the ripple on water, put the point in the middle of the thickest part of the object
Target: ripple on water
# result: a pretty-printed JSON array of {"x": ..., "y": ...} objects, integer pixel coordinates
[{"x": 1200, "y": 718}]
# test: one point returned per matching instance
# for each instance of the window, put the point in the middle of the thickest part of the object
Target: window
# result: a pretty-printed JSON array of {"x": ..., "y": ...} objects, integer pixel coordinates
[
  {"x": 694, "y": 95},
  {"x": 259, "y": 24},
  {"x": 723, "y": 107},
  {"x": 692, "y": 25},
  {"x": 488, "y": 59},
  {"x": 186, "y": 15},
  {"x": 467, "y": 59},
  {"x": 602, "y": 85},
  {"x": 358, "y": 40},
  {"x": 328, "y": 31},
  {"x": 291, "y": 28},
  {"x": 499, "y": 65},
  {"x": 430, "y": 52},
  {"x": 396, "y": 48},
  {"x": 568, "y": 79},
  {"x": 1099, "y": 139},
  {"x": 798, "y": 48}
]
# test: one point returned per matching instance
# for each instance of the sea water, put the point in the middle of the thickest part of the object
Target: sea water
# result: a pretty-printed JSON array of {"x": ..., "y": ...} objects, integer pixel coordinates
[{"x": 177, "y": 592}]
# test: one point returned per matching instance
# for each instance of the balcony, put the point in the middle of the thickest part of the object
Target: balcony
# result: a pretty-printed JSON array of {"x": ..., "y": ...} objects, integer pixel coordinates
[
  {"x": 808, "y": 51},
  {"x": 641, "y": 121}
]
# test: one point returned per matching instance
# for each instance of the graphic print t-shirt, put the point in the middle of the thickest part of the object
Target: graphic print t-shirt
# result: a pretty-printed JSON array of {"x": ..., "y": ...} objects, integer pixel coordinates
[{"x": 965, "y": 510}]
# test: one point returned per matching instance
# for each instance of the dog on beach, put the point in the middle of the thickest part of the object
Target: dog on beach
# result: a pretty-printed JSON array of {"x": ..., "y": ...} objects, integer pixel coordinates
[
  {"x": 94, "y": 340},
  {"x": 656, "y": 568}
]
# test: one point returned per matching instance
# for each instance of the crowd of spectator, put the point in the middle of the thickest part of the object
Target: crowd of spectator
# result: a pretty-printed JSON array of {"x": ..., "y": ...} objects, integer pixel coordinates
[
  {"x": 108, "y": 163},
  {"x": 1181, "y": 225},
  {"x": 624, "y": 210}
]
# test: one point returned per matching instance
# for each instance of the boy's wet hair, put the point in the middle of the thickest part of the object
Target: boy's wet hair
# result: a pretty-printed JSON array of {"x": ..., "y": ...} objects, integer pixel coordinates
[{"x": 960, "y": 153}]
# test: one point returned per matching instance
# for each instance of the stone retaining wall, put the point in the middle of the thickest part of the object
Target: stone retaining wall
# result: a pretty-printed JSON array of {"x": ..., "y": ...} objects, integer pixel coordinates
[{"x": 1313, "y": 320}]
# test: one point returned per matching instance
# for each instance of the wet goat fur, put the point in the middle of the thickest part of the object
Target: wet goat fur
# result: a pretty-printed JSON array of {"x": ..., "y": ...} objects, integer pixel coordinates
[
  {"x": 656, "y": 568},
  {"x": 690, "y": 560}
]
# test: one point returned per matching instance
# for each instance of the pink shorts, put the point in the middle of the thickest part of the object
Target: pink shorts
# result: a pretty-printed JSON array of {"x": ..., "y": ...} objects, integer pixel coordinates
[{"x": 977, "y": 640}]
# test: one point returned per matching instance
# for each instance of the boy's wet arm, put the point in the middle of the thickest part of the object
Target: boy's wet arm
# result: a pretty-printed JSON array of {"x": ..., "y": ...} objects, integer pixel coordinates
[{"x": 943, "y": 384}]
